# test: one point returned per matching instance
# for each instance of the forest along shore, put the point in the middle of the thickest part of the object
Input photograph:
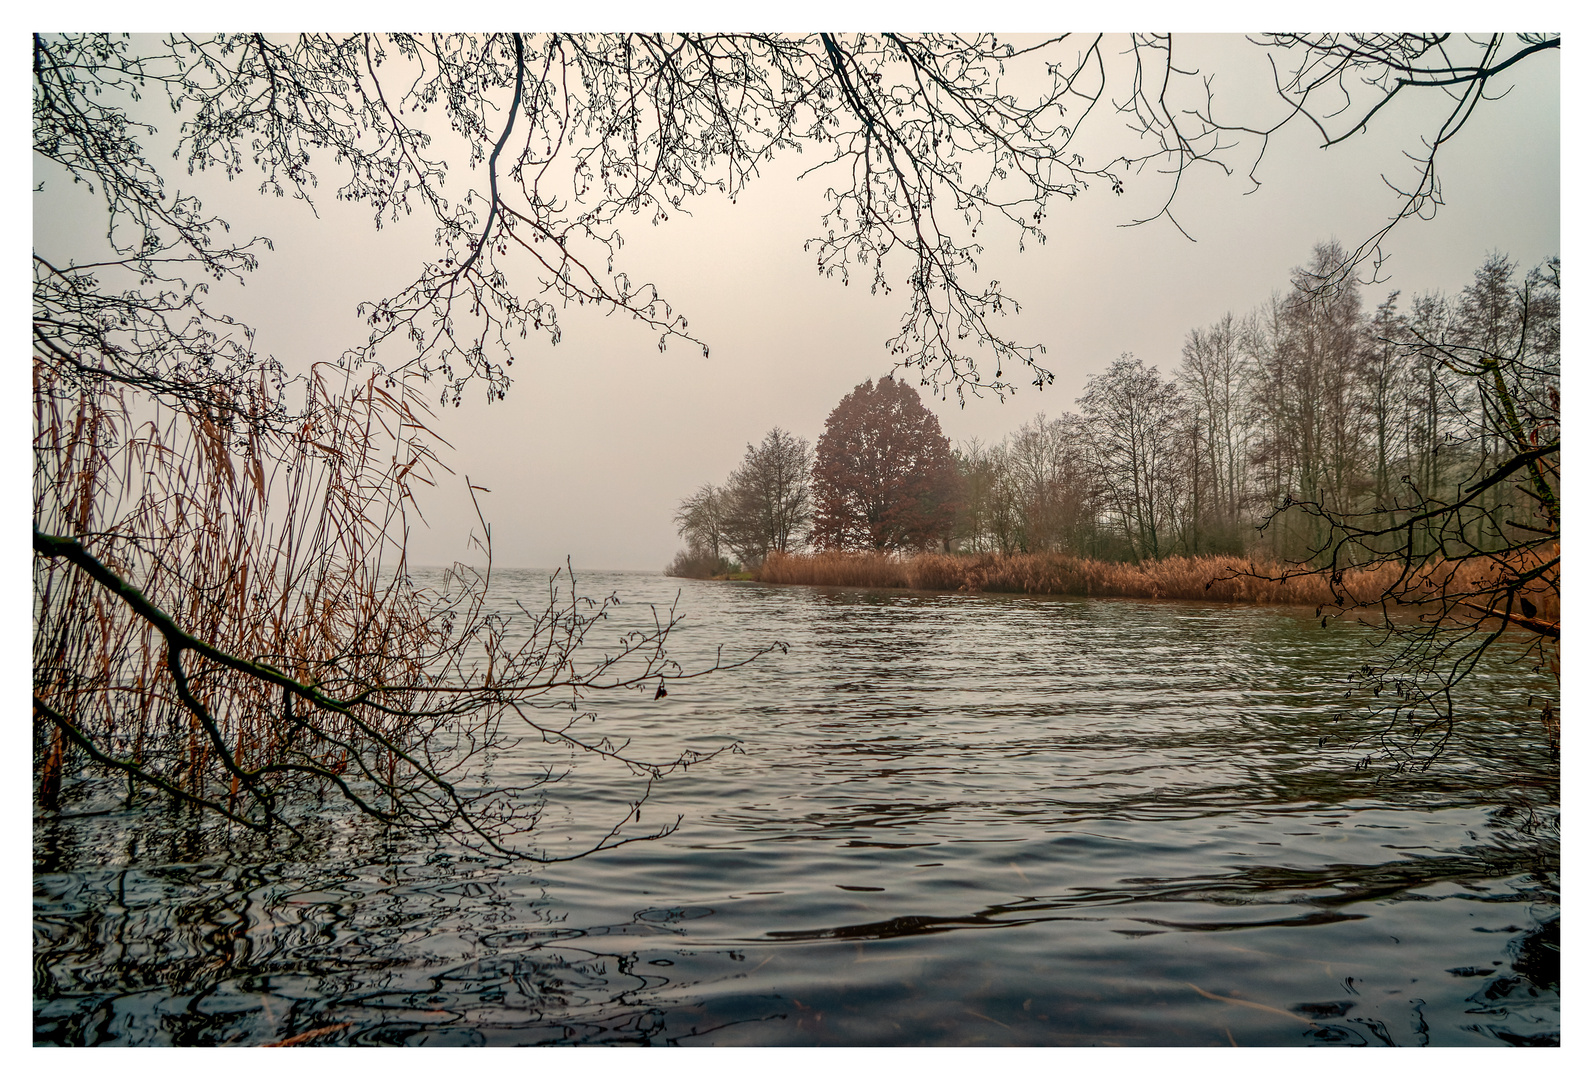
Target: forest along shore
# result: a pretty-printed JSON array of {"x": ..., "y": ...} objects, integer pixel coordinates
[{"x": 1220, "y": 579}]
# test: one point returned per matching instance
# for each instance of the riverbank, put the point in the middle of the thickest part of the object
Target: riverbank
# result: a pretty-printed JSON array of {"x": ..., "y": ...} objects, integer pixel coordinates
[{"x": 1222, "y": 579}]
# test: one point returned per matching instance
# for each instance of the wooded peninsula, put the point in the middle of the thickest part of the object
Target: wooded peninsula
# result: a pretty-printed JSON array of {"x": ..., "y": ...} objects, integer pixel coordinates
[{"x": 1307, "y": 452}]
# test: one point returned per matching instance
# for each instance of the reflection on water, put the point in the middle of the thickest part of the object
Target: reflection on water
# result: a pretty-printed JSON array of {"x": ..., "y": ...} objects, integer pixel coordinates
[{"x": 954, "y": 820}]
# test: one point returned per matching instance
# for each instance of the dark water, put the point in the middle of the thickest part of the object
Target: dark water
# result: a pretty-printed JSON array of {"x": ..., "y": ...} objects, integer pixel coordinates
[{"x": 952, "y": 820}]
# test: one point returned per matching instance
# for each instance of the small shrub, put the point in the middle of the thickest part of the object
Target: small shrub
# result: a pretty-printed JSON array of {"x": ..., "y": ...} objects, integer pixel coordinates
[{"x": 701, "y": 565}]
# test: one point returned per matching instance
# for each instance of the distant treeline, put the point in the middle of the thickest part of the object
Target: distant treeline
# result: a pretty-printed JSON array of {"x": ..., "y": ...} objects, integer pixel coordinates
[{"x": 1305, "y": 411}]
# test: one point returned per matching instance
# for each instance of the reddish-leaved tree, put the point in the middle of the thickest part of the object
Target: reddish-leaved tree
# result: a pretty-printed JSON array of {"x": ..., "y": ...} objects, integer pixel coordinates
[{"x": 883, "y": 474}]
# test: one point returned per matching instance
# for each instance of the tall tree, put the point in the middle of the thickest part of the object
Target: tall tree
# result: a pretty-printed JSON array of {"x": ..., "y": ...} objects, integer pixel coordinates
[
  {"x": 1214, "y": 378},
  {"x": 1387, "y": 378},
  {"x": 700, "y": 521},
  {"x": 767, "y": 507},
  {"x": 1047, "y": 462},
  {"x": 1308, "y": 347},
  {"x": 1135, "y": 420},
  {"x": 883, "y": 474},
  {"x": 1490, "y": 320},
  {"x": 990, "y": 511},
  {"x": 1438, "y": 403}
]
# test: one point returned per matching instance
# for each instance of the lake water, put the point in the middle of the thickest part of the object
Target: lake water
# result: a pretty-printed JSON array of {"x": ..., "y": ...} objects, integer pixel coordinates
[{"x": 950, "y": 820}]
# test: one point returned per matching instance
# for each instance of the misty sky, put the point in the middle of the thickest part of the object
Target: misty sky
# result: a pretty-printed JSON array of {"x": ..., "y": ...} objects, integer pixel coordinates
[{"x": 602, "y": 435}]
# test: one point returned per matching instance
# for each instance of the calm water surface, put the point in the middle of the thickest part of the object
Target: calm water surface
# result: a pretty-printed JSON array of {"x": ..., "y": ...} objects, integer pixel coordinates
[{"x": 947, "y": 820}]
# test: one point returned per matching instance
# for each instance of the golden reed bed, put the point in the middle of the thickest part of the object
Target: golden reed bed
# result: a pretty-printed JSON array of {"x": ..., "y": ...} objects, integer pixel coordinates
[{"x": 1217, "y": 578}]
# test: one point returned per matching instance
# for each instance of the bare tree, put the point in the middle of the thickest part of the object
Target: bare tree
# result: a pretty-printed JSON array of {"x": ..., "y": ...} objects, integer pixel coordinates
[
  {"x": 1473, "y": 565},
  {"x": 1308, "y": 350},
  {"x": 224, "y": 612},
  {"x": 1048, "y": 464},
  {"x": 1214, "y": 376},
  {"x": 1386, "y": 382},
  {"x": 1134, "y": 419},
  {"x": 700, "y": 521},
  {"x": 1337, "y": 84},
  {"x": 569, "y": 135},
  {"x": 975, "y": 480},
  {"x": 766, "y": 498},
  {"x": 990, "y": 511}
]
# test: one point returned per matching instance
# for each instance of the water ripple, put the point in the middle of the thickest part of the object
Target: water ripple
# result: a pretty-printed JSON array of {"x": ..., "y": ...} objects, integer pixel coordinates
[{"x": 955, "y": 820}]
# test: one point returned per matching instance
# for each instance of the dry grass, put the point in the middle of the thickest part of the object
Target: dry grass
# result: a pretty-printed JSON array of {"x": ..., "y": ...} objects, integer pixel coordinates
[
  {"x": 1207, "y": 578},
  {"x": 869, "y": 570},
  {"x": 1212, "y": 578}
]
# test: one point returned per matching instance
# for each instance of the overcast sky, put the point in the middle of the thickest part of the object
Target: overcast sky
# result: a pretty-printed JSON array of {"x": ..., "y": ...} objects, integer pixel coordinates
[{"x": 602, "y": 435}]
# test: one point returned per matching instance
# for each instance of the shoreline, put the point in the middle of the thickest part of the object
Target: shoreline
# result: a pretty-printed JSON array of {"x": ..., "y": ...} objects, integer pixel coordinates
[{"x": 1207, "y": 579}]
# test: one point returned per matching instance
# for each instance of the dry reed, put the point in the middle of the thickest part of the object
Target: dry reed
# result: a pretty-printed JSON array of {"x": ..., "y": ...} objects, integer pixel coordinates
[
  {"x": 1211, "y": 578},
  {"x": 280, "y": 550},
  {"x": 272, "y": 544},
  {"x": 868, "y": 570}
]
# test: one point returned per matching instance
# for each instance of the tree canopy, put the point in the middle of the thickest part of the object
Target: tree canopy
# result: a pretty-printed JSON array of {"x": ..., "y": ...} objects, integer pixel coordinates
[{"x": 883, "y": 475}]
